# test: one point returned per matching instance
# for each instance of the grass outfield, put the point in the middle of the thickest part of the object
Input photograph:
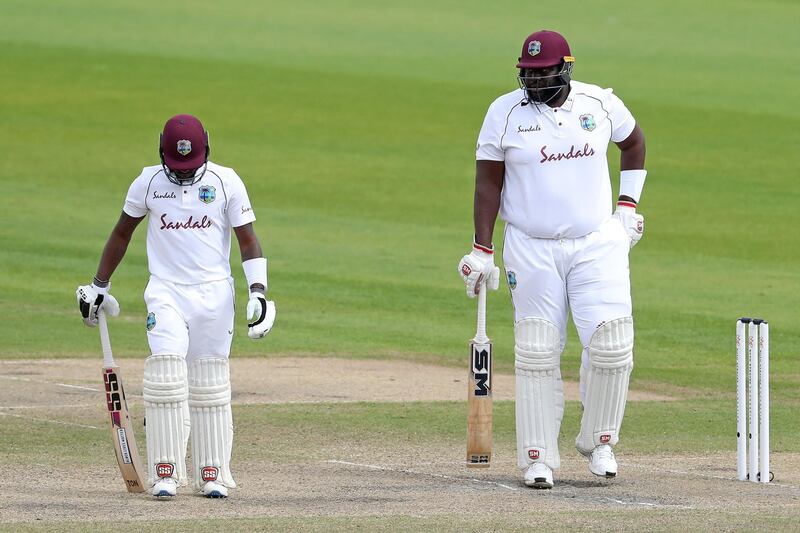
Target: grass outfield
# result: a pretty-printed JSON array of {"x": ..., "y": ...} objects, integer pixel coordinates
[
  {"x": 353, "y": 125},
  {"x": 356, "y": 141}
]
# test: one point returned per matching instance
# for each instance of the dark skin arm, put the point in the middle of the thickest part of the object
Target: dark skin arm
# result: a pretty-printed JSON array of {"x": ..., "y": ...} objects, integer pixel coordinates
[
  {"x": 489, "y": 177},
  {"x": 116, "y": 246},
  {"x": 250, "y": 248},
  {"x": 632, "y": 151}
]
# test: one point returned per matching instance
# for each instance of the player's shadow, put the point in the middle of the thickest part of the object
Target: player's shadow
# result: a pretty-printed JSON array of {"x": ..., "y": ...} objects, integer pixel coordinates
[{"x": 587, "y": 484}]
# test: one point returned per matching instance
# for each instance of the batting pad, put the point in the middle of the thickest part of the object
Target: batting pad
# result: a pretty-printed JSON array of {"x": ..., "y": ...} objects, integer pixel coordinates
[
  {"x": 536, "y": 360},
  {"x": 165, "y": 392},
  {"x": 610, "y": 364},
  {"x": 212, "y": 421}
]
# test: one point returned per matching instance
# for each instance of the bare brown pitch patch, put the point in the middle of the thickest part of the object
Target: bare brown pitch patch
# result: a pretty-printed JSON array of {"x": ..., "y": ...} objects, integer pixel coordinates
[
  {"x": 272, "y": 380},
  {"x": 359, "y": 479}
]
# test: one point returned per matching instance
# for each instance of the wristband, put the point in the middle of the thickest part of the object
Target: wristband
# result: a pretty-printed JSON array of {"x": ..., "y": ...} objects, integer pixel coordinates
[
  {"x": 101, "y": 289},
  {"x": 631, "y": 183},
  {"x": 482, "y": 248},
  {"x": 255, "y": 270}
]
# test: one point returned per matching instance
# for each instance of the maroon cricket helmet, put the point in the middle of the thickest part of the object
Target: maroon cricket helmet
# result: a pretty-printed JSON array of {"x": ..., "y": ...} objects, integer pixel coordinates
[
  {"x": 184, "y": 143},
  {"x": 544, "y": 48}
]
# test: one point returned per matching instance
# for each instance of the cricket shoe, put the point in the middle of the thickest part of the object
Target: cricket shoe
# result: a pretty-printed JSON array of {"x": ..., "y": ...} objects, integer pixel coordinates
[
  {"x": 539, "y": 476},
  {"x": 165, "y": 487},
  {"x": 212, "y": 489},
  {"x": 602, "y": 462}
]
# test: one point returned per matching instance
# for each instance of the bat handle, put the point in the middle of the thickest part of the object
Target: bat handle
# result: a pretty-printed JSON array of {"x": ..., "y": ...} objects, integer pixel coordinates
[
  {"x": 105, "y": 341},
  {"x": 481, "y": 333}
]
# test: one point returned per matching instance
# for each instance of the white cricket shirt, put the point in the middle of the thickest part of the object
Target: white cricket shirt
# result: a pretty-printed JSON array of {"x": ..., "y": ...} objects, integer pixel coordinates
[
  {"x": 556, "y": 173},
  {"x": 189, "y": 227}
]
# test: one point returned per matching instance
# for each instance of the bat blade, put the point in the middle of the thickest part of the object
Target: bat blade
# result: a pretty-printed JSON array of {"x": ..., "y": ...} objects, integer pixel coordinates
[
  {"x": 130, "y": 465},
  {"x": 479, "y": 405}
]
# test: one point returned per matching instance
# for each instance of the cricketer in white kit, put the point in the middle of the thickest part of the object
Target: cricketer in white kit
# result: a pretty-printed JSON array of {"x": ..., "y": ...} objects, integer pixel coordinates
[
  {"x": 541, "y": 163},
  {"x": 193, "y": 204}
]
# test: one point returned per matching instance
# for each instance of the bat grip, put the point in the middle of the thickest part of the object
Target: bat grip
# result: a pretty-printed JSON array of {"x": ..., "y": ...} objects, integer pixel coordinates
[
  {"x": 105, "y": 341},
  {"x": 481, "y": 332}
]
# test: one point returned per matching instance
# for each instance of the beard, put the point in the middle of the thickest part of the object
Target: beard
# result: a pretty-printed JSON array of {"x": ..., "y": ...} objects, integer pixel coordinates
[{"x": 544, "y": 95}]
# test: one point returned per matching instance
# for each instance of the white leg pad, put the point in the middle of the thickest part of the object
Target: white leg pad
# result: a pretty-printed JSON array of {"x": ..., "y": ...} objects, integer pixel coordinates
[
  {"x": 537, "y": 352},
  {"x": 212, "y": 421},
  {"x": 610, "y": 365},
  {"x": 165, "y": 392}
]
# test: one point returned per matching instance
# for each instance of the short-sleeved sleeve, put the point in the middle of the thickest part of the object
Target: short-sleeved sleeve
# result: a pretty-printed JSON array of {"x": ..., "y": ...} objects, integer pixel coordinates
[
  {"x": 622, "y": 121},
  {"x": 135, "y": 201},
  {"x": 489, "y": 146},
  {"x": 240, "y": 212}
]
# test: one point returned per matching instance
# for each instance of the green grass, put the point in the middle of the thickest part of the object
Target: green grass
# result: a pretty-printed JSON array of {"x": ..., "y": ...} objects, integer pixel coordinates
[{"x": 355, "y": 140}]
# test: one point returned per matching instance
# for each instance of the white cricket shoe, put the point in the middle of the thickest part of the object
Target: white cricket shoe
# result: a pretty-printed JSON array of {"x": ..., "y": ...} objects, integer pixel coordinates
[
  {"x": 212, "y": 489},
  {"x": 165, "y": 487},
  {"x": 602, "y": 462},
  {"x": 539, "y": 476}
]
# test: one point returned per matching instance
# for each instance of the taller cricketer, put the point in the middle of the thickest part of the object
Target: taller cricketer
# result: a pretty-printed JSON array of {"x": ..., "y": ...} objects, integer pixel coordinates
[{"x": 541, "y": 162}]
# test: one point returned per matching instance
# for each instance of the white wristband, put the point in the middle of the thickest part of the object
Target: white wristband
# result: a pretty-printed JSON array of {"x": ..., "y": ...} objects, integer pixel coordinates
[
  {"x": 631, "y": 183},
  {"x": 255, "y": 270}
]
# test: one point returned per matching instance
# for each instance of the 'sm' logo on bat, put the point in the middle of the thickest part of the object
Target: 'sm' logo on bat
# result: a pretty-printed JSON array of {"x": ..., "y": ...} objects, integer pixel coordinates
[{"x": 481, "y": 364}]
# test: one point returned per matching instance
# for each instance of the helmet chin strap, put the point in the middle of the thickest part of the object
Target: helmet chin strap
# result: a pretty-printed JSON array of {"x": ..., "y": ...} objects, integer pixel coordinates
[
  {"x": 184, "y": 182},
  {"x": 531, "y": 100}
]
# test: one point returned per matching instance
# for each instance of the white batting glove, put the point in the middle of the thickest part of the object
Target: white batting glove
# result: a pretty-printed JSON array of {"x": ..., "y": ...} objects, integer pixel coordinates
[
  {"x": 91, "y": 299},
  {"x": 478, "y": 267},
  {"x": 261, "y": 313},
  {"x": 632, "y": 221}
]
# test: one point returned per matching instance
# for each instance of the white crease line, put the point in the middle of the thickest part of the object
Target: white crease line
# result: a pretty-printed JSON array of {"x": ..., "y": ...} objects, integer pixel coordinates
[
  {"x": 405, "y": 471},
  {"x": 79, "y": 387},
  {"x": 51, "y": 421},
  {"x": 49, "y": 406},
  {"x": 16, "y": 378},
  {"x": 29, "y": 362},
  {"x": 647, "y": 504},
  {"x": 709, "y": 476}
]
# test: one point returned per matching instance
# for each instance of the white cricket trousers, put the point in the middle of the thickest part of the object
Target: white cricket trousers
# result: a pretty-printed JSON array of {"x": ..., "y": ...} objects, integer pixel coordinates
[
  {"x": 191, "y": 321},
  {"x": 588, "y": 275}
]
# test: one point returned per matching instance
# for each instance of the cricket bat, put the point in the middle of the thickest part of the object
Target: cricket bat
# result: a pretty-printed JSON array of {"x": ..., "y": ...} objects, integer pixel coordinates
[
  {"x": 130, "y": 466},
  {"x": 479, "y": 394}
]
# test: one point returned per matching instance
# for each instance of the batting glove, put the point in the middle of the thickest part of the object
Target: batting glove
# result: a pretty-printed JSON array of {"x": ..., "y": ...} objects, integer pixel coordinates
[
  {"x": 477, "y": 268},
  {"x": 263, "y": 311},
  {"x": 632, "y": 221},
  {"x": 91, "y": 299}
]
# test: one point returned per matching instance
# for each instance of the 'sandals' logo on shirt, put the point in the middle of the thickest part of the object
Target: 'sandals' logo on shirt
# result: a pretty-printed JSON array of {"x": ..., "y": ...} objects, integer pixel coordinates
[
  {"x": 573, "y": 153},
  {"x": 151, "y": 321},
  {"x": 207, "y": 194},
  {"x": 157, "y": 195},
  {"x": 189, "y": 223},
  {"x": 587, "y": 122}
]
